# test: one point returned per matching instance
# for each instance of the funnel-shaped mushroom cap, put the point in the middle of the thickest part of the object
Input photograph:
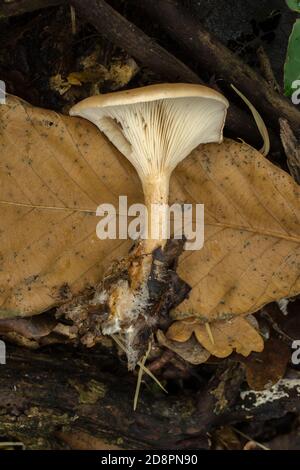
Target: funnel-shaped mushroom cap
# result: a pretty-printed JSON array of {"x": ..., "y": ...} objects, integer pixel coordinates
[{"x": 157, "y": 126}]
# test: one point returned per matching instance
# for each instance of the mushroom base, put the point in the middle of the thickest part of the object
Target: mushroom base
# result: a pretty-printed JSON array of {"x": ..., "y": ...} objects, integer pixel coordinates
[{"x": 132, "y": 301}]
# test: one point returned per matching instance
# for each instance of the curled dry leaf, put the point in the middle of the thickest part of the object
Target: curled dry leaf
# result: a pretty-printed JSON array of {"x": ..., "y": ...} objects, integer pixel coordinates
[
  {"x": 56, "y": 170},
  {"x": 29, "y": 328},
  {"x": 259, "y": 122},
  {"x": 235, "y": 334},
  {"x": 191, "y": 351}
]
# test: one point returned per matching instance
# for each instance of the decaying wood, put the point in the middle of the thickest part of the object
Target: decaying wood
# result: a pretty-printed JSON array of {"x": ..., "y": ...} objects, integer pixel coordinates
[
  {"x": 291, "y": 147},
  {"x": 19, "y": 7},
  {"x": 50, "y": 399},
  {"x": 218, "y": 60}
]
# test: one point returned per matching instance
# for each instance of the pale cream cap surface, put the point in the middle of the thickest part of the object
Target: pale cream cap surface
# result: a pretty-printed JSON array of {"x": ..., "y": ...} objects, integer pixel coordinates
[{"x": 148, "y": 93}]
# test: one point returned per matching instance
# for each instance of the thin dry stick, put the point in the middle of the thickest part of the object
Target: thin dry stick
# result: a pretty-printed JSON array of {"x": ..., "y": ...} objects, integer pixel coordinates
[
  {"x": 140, "y": 376},
  {"x": 250, "y": 439},
  {"x": 218, "y": 60},
  {"x": 145, "y": 369}
]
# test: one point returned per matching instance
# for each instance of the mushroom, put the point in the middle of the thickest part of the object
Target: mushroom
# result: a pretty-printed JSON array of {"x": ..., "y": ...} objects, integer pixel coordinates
[{"x": 156, "y": 127}]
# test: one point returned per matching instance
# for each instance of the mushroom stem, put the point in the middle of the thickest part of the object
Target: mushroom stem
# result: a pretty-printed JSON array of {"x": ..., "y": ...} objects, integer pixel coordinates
[{"x": 156, "y": 193}]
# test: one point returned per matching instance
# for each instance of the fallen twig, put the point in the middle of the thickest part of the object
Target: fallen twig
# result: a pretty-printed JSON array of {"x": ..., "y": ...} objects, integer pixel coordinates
[
  {"x": 218, "y": 60},
  {"x": 115, "y": 28},
  {"x": 120, "y": 31},
  {"x": 258, "y": 444}
]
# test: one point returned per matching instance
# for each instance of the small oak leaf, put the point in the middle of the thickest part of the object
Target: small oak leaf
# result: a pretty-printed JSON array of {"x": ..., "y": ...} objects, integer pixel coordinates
[{"x": 236, "y": 334}]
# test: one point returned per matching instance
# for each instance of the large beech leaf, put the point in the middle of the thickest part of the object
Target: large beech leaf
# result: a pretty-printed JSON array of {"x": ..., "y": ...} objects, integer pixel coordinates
[
  {"x": 251, "y": 252},
  {"x": 51, "y": 160},
  {"x": 67, "y": 168}
]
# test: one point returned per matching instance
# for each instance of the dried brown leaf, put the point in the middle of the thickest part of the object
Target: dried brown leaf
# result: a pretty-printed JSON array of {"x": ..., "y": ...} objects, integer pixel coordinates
[
  {"x": 251, "y": 253},
  {"x": 49, "y": 160},
  {"x": 235, "y": 334}
]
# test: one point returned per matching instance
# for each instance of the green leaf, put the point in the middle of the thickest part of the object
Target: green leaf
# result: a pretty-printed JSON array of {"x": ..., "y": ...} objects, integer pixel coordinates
[
  {"x": 292, "y": 64},
  {"x": 294, "y": 5}
]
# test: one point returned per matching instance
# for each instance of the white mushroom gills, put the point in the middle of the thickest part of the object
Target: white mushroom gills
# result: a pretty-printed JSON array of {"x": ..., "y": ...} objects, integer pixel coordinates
[{"x": 156, "y": 127}]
